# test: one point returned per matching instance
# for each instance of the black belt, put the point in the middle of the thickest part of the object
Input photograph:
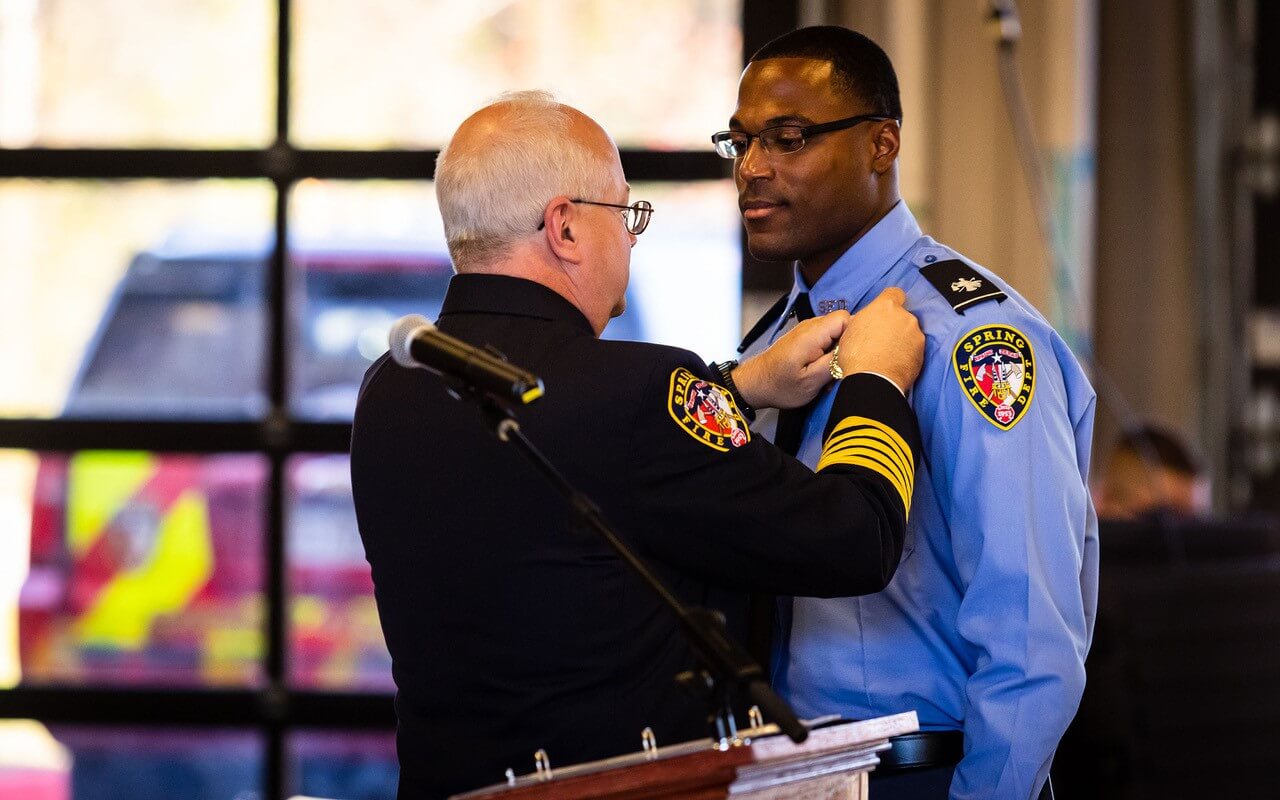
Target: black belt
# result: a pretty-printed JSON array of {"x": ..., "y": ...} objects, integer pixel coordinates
[{"x": 922, "y": 750}]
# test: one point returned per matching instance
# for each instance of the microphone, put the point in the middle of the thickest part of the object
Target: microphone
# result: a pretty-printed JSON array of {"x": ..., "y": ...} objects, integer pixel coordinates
[{"x": 415, "y": 342}]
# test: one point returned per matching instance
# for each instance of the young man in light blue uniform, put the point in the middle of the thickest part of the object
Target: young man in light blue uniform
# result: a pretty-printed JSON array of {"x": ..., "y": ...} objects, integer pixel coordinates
[{"x": 985, "y": 627}]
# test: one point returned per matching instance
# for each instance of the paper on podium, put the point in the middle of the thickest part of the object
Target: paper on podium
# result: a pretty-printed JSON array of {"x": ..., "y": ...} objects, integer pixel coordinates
[{"x": 832, "y": 763}]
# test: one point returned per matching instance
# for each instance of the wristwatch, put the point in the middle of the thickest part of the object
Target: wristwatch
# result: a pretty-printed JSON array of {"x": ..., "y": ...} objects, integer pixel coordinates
[{"x": 725, "y": 370}]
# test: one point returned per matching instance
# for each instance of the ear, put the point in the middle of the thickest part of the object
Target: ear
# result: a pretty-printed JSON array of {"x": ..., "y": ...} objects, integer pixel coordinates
[
  {"x": 886, "y": 141},
  {"x": 558, "y": 222}
]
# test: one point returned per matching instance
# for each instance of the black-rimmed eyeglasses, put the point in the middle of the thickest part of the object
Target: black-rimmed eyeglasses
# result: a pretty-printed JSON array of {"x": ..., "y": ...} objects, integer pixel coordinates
[
  {"x": 635, "y": 216},
  {"x": 783, "y": 138}
]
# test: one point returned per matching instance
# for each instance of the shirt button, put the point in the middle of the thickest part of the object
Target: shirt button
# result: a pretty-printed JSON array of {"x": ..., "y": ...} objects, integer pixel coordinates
[{"x": 930, "y": 259}]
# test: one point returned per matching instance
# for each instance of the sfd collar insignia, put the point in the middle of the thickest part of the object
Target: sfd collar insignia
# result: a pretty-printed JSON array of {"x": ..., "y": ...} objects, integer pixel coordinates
[
  {"x": 960, "y": 284},
  {"x": 706, "y": 411},
  {"x": 997, "y": 370}
]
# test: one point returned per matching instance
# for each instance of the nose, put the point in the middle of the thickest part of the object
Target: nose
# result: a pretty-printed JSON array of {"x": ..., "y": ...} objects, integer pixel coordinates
[{"x": 754, "y": 163}]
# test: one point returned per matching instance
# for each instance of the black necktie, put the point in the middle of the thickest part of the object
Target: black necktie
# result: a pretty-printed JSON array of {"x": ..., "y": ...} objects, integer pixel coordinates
[
  {"x": 790, "y": 430},
  {"x": 787, "y": 436}
]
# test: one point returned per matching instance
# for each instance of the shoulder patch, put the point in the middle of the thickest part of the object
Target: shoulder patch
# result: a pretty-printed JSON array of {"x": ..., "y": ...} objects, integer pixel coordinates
[
  {"x": 997, "y": 371},
  {"x": 960, "y": 284},
  {"x": 706, "y": 411}
]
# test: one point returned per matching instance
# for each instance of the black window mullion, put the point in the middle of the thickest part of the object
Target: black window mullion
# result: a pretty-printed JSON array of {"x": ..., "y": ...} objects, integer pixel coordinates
[
  {"x": 275, "y": 708},
  {"x": 284, "y": 58},
  {"x": 276, "y": 591},
  {"x": 284, "y": 163},
  {"x": 103, "y": 705},
  {"x": 278, "y": 364},
  {"x": 276, "y": 694},
  {"x": 196, "y": 436},
  {"x": 763, "y": 20},
  {"x": 124, "y": 163}
]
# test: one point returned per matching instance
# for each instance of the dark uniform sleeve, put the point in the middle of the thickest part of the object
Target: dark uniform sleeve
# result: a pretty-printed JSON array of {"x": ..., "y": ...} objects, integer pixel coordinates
[{"x": 717, "y": 502}]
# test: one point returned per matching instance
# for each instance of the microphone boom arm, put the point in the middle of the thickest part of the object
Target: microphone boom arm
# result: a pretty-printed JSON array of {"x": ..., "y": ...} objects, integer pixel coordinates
[{"x": 726, "y": 666}]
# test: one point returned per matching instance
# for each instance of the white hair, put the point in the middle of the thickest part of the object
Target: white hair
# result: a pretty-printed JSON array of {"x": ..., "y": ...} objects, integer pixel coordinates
[{"x": 493, "y": 193}]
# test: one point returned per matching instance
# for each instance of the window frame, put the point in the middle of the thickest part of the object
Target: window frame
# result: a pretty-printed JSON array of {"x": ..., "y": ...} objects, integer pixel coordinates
[{"x": 275, "y": 709}]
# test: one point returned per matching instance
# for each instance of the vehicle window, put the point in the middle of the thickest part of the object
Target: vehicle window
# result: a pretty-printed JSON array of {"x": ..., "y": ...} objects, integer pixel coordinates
[
  {"x": 134, "y": 267},
  {"x": 348, "y": 310},
  {"x": 181, "y": 338}
]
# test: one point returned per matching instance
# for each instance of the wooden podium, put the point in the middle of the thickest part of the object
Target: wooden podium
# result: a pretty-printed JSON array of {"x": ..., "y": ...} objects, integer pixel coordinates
[{"x": 832, "y": 764}]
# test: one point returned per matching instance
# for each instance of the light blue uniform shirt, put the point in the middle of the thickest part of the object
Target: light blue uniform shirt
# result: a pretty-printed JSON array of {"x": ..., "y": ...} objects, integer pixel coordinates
[{"x": 987, "y": 621}]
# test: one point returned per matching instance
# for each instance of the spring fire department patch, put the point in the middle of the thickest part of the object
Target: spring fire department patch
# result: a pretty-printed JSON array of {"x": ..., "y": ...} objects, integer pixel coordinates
[
  {"x": 706, "y": 411},
  {"x": 997, "y": 371}
]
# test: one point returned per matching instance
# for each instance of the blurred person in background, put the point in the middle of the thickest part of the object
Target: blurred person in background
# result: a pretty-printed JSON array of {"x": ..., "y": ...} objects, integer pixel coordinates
[{"x": 1151, "y": 470}]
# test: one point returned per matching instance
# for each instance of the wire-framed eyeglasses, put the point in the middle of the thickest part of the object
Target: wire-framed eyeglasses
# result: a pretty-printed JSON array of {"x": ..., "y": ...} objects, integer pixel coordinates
[
  {"x": 635, "y": 216},
  {"x": 783, "y": 138}
]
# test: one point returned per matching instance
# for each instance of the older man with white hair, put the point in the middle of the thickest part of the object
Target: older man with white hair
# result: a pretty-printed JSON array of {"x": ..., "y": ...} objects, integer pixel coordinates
[{"x": 509, "y": 631}]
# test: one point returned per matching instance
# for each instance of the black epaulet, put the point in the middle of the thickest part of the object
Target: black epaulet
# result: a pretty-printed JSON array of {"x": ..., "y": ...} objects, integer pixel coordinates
[
  {"x": 771, "y": 316},
  {"x": 961, "y": 284}
]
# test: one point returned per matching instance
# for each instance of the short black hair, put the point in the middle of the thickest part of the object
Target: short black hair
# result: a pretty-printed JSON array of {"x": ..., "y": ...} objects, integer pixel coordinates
[
  {"x": 1165, "y": 448},
  {"x": 862, "y": 69}
]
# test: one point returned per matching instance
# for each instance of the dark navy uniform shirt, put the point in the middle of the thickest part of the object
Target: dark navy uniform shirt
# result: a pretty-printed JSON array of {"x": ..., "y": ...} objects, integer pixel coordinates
[{"x": 511, "y": 631}]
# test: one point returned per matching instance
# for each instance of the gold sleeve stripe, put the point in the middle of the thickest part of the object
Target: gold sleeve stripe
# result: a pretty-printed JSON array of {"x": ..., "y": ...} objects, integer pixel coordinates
[
  {"x": 869, "y": 443},
  {"x": 863, "y": 428},
  {"x": 877, "y": 453},
  {"x": 868, "y": 437},
  {"x": 866, "y": 426}
]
